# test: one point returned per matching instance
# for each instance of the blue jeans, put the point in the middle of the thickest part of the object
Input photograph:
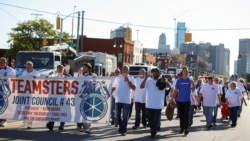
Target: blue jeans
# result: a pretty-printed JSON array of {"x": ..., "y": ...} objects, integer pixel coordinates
[
  {"x": 209, "y": 114},
  {"x": 191, "y": 113},
  {"x": 153, "y": 116},
  {"x": 233, "y": 114},
  {"x": 140, "y": 110},
  {"x": 240, "y": 109},
  {"x": 122, "y": 122},
  {"x": 113, "y": 110},
  {"x": 215, "y": 114}
]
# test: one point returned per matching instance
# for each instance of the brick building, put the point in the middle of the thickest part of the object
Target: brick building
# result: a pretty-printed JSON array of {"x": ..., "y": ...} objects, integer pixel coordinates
[{"x": 120, "y": 47}]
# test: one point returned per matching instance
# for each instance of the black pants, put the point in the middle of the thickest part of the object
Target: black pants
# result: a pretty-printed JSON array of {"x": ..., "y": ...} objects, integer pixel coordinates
[
  {"x": 183, "y": 111},
  {"x": 131, "y": 109},
  {"x": 153, "y": 116},
  {"x": 51, "y": 124},
  {"x": 140, "y": 110}
]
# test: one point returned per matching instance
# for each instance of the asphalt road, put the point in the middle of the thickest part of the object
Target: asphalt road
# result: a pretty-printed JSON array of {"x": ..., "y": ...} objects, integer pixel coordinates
[{"x": 169, "y": 131}]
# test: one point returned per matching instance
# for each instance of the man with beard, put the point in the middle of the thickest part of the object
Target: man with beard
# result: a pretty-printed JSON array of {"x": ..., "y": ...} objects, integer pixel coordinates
[
  {"x": 155, "y": 94},
  {"x": 5, "y": 70}
]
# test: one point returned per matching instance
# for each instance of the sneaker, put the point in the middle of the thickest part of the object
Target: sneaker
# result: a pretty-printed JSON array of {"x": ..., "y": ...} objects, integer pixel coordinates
[
  {"x": 186, "y": 132},
  {"x": 152, "y": 136},
  {"x": 124, "y": 133},
  {"x": 3, "y": 123},
  {"x": 81, "y": 130},
  {"x": 60, "y": 128},
  {"x": 49, "y": 127},
  {"x": 181, "y": 131},
  {"x": 135, "y": 127},
  {"x": 209, "y": 126},
  {"x": 144, "y": 126},
  {"x": 119, "y": 131},
  {"x": 88, "y": 131}
]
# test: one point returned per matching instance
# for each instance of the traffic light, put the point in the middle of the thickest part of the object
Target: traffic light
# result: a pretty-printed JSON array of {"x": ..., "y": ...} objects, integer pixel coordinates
[
  {"x": 58, "y": 22},
  {"x": 188, "y": 37},
  {"x": 239, "y": 57}
]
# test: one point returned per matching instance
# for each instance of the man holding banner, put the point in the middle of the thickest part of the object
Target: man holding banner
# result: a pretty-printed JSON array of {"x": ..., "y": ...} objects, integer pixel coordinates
[
  {"x": 29, "y": 72},
  {"x": 59, "y": 74},
  {"x": 5, "y": 70}
]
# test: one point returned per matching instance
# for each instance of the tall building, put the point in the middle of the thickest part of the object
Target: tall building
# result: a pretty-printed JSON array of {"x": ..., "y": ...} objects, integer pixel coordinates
[
  {"x": 162, "y": 45},
  {"x": 180, "y": 34},
  {"x": 243, "y": 65},
  {"x": 217, "y": 56},
  {"x": 121, "y": 32},
  {"x": 163, "y": 48}
]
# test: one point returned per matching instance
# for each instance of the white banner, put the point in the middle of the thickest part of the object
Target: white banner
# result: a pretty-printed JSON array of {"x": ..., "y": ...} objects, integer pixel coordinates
[{"x": 55, "y": 99}]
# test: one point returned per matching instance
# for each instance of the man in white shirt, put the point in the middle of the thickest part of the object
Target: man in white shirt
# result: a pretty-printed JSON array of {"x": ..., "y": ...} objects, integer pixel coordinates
[
  {"x": 86, "y": 72},
  {"x": 155, "y": 94},
  {"x": 29, "y": 72},
  {"x": 123, "y": 85},
  {"x": 209, "y": 92},
  {"x": 216, "y": 82},
  {"x": 242, "y": 89},
  {"x": 139, "y": 96},
  {"x": 59, "y": 74},
  {"x": 5, "y": 70},
  {"x": 113, "y": 108}
]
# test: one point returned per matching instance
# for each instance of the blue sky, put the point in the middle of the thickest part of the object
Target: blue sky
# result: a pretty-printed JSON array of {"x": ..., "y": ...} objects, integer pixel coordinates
[{"x": 214, "y": 21}]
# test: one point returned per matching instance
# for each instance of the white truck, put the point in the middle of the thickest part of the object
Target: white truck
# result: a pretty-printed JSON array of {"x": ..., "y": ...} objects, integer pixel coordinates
[
  {"x": 104, "y": 63},
  {"x": 46, "y": 60}
]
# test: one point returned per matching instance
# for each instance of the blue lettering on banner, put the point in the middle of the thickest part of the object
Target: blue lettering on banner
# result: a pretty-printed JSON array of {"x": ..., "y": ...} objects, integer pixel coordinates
[
  {"x": 21, "y": 100},
  {"x": 47, "y": 101}
]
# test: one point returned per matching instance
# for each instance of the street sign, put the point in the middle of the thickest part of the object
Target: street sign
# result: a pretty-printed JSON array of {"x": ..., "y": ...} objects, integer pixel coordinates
[{"x": 74, "y": 45}]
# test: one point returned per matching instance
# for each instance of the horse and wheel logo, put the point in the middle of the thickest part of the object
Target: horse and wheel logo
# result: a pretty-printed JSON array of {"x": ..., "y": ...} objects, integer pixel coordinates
[
  {"x": 94, "y": 96},
  {"x": 4, "y": 94}
]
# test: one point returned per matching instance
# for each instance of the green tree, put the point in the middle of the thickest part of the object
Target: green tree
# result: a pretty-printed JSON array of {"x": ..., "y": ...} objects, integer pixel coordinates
[{"x": 29, "y": 35}]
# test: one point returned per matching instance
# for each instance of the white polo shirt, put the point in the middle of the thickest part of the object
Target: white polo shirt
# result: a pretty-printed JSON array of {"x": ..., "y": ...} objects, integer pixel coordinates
[
  {"x": 139, "y": 94},
  {"x": 234, "y": 97},
  {"x": 31, "y": 74},
  {"x": 210, "y": 95},
  {"x": 7, "y": 70},
  {"x": 154, "y": 96},
  {"x": 123, "y": 91}
]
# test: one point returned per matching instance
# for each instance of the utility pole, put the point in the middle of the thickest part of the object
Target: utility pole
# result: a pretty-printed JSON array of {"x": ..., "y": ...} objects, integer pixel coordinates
[
  {"x": 82, "y": 42},
  {"x": 72, "y": 32},
  {"x": 78, "y": 28}
]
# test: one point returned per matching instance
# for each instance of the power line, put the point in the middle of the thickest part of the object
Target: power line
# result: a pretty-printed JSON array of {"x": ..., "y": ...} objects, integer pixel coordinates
[{"x": 136, "y": 25}]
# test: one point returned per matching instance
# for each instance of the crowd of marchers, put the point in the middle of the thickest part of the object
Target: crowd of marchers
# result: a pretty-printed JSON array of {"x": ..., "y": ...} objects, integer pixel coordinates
[{"x": 150, "y": 93}]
